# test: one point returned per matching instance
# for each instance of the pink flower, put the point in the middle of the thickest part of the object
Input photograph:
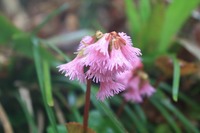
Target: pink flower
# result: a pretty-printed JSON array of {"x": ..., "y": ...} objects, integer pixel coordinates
[
  {"x": 96, "y": 55},
  {"x": 101, "y": 45},
  {"x": 129, "y": 51},
  {"x": 109, "y": 89},
  {"x": 147, "y": 89},
  {"x": 73, "y": 69},
  {"x": 104, "y": 56},
  {"x": 99, "y": 76},
  {"x": 137, "y": 90},
  {"x": 118, "y": 62},
  {"x": 137, "y": 84},
  {"x": 87, "y": 40}
]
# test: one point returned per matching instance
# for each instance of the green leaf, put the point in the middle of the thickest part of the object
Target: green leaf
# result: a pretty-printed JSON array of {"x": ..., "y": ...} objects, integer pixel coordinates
[
  {"x": 47, "y": 83},
  {"x": 176, "y": 14},
  {"x": 150, "y": 34},
  {"x": 22, "y": 44},
  {"x": 145, "y": 10},
  {"x": 176, "y": 79},
  {"x": 40, "y": 73},
  {"x": 133, "y": 17}
]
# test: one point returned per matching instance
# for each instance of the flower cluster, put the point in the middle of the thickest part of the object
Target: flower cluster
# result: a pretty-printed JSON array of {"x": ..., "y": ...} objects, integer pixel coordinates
[
  {"x": 137, "y": 83},
  {"x": 101, "y": 58}
]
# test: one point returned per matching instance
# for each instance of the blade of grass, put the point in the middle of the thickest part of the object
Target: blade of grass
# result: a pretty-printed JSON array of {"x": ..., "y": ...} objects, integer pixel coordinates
[
  {"x": 37, "y": 61},
  {"x": 39, "y": 71},
  {"x": 140, "y": 113},
  {"x": 176, "y": 14},
  {"x": 29, "y": 117},
  {"x": 168, "y": 105},
  {"x": 166, "y": 114},
  {"x": 135, "y": 119},
  {"x": 112, "y": 117},
  {"x": 47, "y": 83},
  {"x": 102, "y": 106},
  {"x": 193, "y": 104},
  {"x": 139, "y": 122},
  {"x": 54, "y": 47},
  {"x": 180, "y": 116},
  {"x": 176, "y": 79},
  {"x": 50, "y": 16}
]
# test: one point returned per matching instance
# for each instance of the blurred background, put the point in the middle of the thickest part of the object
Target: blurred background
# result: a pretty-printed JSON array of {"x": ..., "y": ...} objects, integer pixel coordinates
[{"x": 36, "y": 36}]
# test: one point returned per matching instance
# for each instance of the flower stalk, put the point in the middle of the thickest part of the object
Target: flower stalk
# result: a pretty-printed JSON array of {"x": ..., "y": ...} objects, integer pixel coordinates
[{"x": 87, "y": 105}]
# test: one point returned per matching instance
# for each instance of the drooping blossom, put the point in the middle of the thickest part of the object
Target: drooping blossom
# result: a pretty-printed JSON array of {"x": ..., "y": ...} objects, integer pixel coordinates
[
  {"x": 75, "y": 68},
  {"x": 137, "y": 84},
  {"x": 109, "y": 88},
  {"x": 100, "y": 58}
]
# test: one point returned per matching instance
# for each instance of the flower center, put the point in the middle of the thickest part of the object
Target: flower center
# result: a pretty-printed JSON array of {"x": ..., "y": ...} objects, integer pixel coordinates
[{"x": 115, "y": 40}]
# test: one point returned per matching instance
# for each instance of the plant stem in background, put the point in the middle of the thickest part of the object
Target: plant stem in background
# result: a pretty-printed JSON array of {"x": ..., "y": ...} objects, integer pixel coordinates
[
  {"x": 87, "y": 106},
  {"x": 121, "y": 107}
]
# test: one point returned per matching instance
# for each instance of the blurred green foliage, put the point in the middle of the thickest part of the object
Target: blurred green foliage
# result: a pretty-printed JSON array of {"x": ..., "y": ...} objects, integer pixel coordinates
[{"x": 152, "y": 24}]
